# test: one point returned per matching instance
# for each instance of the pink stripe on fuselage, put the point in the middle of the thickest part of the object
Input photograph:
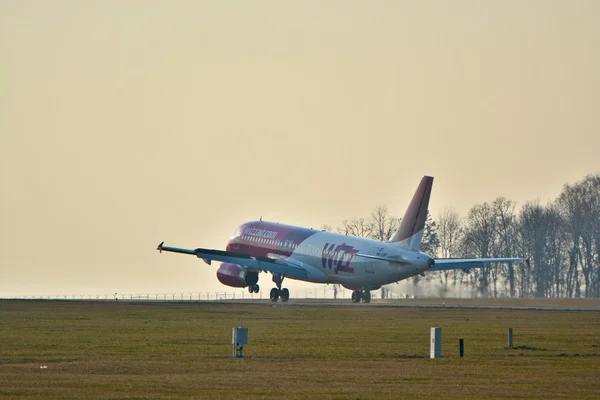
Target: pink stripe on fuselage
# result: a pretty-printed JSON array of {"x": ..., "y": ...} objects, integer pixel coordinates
[{"x": 258, "y": 238}]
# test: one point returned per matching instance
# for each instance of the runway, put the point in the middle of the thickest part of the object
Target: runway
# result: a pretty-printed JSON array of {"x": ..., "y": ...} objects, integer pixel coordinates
[
  {"x": 591, "y": 304},
  {"x": 567, "y": 306}
]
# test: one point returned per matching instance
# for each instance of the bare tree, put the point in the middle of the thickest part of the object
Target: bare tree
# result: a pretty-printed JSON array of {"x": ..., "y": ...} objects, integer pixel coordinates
[
  {"x": 449, "y": 234},
  {"x": 580, "y": 206},
  {"x": 360, "y": 227},
  {"x": 383, "y": 224},
  {"x": 449, "y": 231},
  {"x": 478, "y": 241},
  {"x": 556, "y": 250},
  {"x": 532, "y": 229},
  {"x": 507, "y": 241}
]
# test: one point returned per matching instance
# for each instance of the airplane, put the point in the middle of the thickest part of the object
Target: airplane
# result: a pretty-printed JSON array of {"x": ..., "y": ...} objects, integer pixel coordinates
[{"x": 310, "y": 255}]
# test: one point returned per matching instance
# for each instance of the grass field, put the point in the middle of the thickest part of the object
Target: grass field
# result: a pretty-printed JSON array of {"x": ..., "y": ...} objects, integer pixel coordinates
[{"x": 183, "y": 350}]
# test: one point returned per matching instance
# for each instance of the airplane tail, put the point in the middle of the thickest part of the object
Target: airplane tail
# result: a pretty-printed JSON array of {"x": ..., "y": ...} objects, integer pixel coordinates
[{"x": 410, "y": 231}]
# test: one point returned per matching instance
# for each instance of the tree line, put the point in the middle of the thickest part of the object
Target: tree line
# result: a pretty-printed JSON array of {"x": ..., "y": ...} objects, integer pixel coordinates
[{"x": 562, "y": 239}]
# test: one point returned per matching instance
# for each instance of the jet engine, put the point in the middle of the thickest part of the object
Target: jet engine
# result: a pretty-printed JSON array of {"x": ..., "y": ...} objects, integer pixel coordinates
[{"x": 236, "y": 276}]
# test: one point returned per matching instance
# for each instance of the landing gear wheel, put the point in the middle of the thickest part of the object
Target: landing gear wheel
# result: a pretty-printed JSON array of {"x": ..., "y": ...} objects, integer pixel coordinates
[
  {"x": 274, "y": 295},
  {"x": 256, "y": 288},
  {"x": 366, "y": 296},
  {"x": 253, "y": 289},
  {"x": 356, "y": 296},
  {"x": 284, "y": 295}
]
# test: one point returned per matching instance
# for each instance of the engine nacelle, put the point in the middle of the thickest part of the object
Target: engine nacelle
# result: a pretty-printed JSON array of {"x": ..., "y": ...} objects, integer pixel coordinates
[{"x": 236, "y": 276}]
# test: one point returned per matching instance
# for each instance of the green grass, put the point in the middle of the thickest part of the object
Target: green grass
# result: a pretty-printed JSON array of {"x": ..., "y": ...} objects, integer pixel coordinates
[{"x": 182, "y": 350}]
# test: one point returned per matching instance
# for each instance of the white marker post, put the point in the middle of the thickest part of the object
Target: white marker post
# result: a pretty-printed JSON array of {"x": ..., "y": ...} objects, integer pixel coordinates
[
  {"x": 239, "y": 340},
  {"x": 436, "y": 343}
]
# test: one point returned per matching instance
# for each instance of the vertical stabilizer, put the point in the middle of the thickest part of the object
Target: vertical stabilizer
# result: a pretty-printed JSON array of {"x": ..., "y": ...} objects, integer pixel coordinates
[{"x": 410, "y": 231}]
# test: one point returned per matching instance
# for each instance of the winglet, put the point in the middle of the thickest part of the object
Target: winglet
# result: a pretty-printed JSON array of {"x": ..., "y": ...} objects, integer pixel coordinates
[
  {"x": 527, "y": 261},
  {"x": 159, "y": 248}
]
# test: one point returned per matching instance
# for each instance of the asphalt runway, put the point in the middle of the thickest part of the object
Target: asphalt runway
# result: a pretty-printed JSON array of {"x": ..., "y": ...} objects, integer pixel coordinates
[
  {"x": 425, "y": 304},
  {"x": 590, "y": 304}
]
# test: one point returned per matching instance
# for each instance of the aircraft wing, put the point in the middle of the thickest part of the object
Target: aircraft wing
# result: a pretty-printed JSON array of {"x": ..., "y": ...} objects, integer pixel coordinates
[
  {"x": 277, "y": 266},
  {"x": 467, "y": 264}
]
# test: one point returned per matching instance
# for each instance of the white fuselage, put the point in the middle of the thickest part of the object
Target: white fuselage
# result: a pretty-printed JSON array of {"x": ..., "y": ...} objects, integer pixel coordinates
[
  {"x": 330, "y": 257},
  {"x": 359, "y": 272}
]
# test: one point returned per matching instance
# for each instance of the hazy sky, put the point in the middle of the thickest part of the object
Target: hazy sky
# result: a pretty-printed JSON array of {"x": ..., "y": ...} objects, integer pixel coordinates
[{"x": 127, "y": 123}]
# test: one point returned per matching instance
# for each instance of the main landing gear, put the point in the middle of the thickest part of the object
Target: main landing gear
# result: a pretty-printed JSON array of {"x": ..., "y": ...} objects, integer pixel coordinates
[
  {"x": 254, "y": 289},
  {"x": 361, "y": 295},
  {"x": 279, "y": 293},
  {"x": 276, "y": 294}
]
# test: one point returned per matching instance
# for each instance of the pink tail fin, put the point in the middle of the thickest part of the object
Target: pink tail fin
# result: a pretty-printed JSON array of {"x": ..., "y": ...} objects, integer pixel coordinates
[{"x": 410, "y": 231}]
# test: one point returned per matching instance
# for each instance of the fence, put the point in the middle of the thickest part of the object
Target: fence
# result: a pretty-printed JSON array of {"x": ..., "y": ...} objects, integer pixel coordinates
[{"x": 326, "y": 292}]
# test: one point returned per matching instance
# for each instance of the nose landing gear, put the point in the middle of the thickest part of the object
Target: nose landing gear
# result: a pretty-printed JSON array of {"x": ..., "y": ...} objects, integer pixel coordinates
[{"x": 254, "y": 289}]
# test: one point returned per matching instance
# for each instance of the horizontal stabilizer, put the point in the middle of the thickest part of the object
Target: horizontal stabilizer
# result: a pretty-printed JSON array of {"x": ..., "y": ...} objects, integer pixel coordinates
[
  {"x": 391, "y": 260},
  {"x": 444, "y": 264}
]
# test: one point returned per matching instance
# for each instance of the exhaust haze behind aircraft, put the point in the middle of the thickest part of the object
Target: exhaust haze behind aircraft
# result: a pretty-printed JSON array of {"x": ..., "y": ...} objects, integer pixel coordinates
[{"x": 309, "y": 255}]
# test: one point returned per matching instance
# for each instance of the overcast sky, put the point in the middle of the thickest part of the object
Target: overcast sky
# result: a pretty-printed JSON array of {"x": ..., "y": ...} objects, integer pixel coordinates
[{"x": 127, "y": 123}]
